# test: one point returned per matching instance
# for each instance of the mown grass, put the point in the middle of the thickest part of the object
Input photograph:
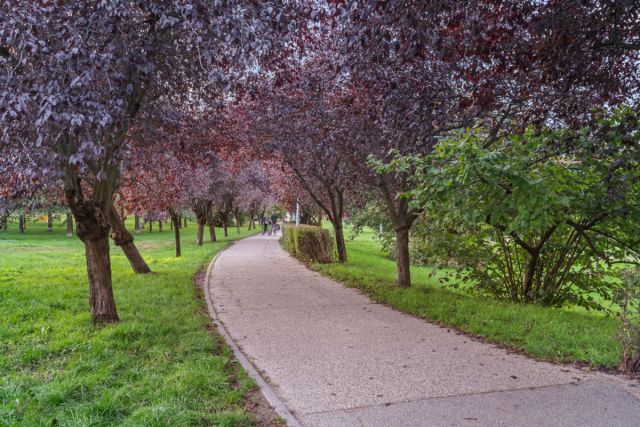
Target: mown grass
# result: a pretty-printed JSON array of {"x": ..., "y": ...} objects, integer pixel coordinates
[
  {"x": 560, "y": 335},
  {"x": 158, "y": 367}
]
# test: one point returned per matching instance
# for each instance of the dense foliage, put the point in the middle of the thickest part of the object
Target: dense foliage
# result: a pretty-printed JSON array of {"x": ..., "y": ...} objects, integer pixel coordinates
[
  {"x": 308, "y": 243},
  {"x": 540, "y": 217}
]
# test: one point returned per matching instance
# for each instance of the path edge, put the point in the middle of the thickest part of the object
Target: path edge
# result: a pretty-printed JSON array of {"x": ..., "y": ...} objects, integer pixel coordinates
[{"x": 276, "y": 403}]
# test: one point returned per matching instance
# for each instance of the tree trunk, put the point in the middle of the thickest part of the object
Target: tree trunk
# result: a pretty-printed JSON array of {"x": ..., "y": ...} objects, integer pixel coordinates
[
  {"x": 49, "y": 222},
  {"x": 530, "y": 270},
  {"x": 403, "y": 279},
  {"x": 150, "y": 226},
  {"x": 3, "y": 221},
  {"x": 122, "y": 238},
  {"x": 160, "y": 226},
  {"x": 69, "y": 225},
  {"x": 101, "y": 300},
  {"x": 137, "y": 224},
  {"x": 92, "y": 228},
  {"x": 200, "y": 234},
  {"x": 175, "y": 221},
  {"x": 226, "y": 234},
  {"x": 237, "y": 217},
  {"x": 185, "y": 222},
  {"x": 21, "y": 225},
  {"x": 340, "y": 245},
  {"x": 135, "y": 259},
  {"x": 212, "y": 225}
]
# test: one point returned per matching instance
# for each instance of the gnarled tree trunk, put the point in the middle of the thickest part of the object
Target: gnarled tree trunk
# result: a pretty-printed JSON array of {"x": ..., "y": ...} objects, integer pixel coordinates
[
  {"x": 93, "y": 230},
  {"x": 101, "y": 300}
]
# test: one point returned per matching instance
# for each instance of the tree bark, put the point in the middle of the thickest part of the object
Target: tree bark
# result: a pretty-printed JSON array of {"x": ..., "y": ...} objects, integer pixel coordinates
[
  {"x": 236, "y": 215},
  {"x": 92, "y": 228},
  {"x": 185, "y": 222},
  {"x": 69, "y": 225},
  {"x": 225, "y": 224},
  {"x": 201, "y": 208},
  {"x": 160, "y": 226},
  {"x": 137, "y": 224},
  {"x": 175, "y": 221},
  {"x": 200, "y": 234},
  {"x": 49, "y": 221},
  {"x": 101, "y": 300},
  {"x": 340, "y": 245},
  {"x": 530, "y": 270},
  {"x": 212, "y": 225},
  {"x": 122, "y": 238},
  {"x": 150, "y": 226},
  {"x": 21, "y": 225},
  {"x": 402, "y": 217},
  {"x": 403, "y": 260}
]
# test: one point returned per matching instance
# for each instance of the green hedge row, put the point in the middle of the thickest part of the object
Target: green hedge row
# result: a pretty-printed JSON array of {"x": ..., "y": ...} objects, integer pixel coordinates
[{"x": 308, "y": 243}]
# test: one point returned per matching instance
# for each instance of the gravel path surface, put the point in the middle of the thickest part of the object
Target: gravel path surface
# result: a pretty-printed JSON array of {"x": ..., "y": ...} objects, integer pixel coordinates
[{"x": 335, "y": 358}]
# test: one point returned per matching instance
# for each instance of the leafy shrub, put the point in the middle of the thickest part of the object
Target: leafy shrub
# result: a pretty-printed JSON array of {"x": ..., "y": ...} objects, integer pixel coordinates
[
  {"x": 308, "y": 243},
  {"x": 542, "y": 217}
]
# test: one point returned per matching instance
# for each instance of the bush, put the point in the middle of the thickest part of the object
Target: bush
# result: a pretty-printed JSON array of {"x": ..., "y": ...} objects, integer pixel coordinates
[
  {"x": 540, "y": 217},
  {"x": 308, "y": 243}
]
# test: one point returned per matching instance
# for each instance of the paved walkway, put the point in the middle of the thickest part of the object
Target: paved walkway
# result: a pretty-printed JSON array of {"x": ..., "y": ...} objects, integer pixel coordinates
[{"x": 337, "y": 359}]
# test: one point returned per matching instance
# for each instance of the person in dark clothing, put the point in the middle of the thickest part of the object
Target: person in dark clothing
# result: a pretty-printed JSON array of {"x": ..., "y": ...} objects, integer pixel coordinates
[
  {"x": 265, "y": 225},
  {"x": 274, "y": 222}
]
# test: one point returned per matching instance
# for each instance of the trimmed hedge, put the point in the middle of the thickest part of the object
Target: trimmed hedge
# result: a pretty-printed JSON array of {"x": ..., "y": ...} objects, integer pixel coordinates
[{"x": 308, "y": 243}]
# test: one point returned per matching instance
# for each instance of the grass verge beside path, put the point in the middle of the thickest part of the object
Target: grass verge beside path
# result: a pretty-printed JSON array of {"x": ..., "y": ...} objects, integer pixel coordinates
[
  {"x": 559, "y": 335},
  {"x": 158, "y": 366}
]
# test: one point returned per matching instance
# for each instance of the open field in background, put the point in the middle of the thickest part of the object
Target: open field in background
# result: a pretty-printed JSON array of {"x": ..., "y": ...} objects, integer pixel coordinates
[
  {"x": 159, "y": 366},
  {"x": 560, "y": 335}
]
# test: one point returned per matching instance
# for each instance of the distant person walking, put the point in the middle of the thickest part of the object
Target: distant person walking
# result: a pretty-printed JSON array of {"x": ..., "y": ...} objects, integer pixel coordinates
[
  {"x": 265, "y": 224},
  {"x": 274, "y": 223}
]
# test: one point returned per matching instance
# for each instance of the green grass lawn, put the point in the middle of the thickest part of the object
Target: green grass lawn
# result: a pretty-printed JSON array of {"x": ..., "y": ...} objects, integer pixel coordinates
[
  {"x": 158, "y": 366},
  {"x": 561, "y": 335}
]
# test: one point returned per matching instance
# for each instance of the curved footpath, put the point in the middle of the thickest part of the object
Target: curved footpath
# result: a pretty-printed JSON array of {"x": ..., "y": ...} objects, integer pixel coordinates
[{"x": 335, "y": 358}]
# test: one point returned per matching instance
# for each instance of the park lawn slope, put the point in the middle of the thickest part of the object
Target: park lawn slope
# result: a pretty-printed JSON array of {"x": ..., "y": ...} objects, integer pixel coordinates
[
  {"x": 158, "y": 366},
  {"x": 559, "y": 335}
]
